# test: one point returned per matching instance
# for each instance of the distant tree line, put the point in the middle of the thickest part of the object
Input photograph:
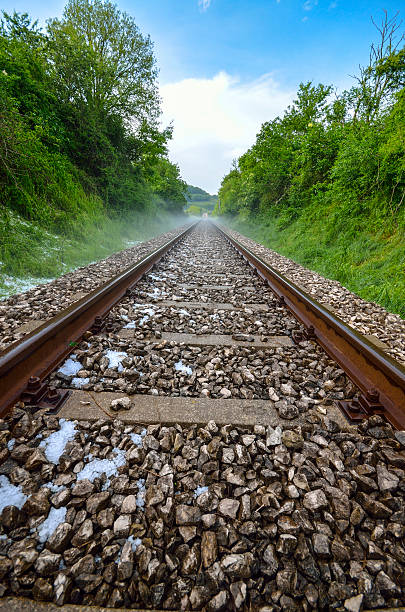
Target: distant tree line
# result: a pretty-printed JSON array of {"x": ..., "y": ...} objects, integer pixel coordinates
[
  {"x": 196, "y": 194},
  {"x": 200, "y": 201},
  {"x": 344, "y": 153},
  {"x": 79, "y": 117}
]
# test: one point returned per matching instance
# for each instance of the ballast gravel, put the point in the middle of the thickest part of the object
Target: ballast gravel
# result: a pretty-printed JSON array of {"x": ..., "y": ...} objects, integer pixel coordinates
[
  {"x": 205, "y": 517},
  {"x": 365, "y": 317},
  {"x": 45, "y": 301}
]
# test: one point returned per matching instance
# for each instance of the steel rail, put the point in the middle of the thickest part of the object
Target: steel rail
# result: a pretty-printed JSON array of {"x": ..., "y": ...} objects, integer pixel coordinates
[
  {"x": 38, "y": 353},
  {"x": 380, "y": 378}
]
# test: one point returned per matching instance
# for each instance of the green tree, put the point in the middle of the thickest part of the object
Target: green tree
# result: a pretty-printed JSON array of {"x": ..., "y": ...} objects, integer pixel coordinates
[
  {"x": 168, "y": 185},
  {"x": 102, "y": 60}
]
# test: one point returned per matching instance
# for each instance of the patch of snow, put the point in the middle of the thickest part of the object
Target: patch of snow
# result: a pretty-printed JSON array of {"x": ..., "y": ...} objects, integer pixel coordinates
[
  {"x": 53, "y": 487},
  {"x": 137, "y": 438},
  {"x": 109, "y": 467},
  {"x": 135, "y": 542},
  {"x": 130, "y": 325},
  {"x": 140, "y": 497},
  {"x": 11, "y": 444},
  {"x": 184, "y": 312},
  {"x": 149, "y": 311},
  {"x": 106, "y": 485},
  {"x": 10, "y": 495},
  {"x": 11, "y": 285},
  {"x": 155, "y": 277},
  {"x": 199, "y": 491},
  {"x": 115, "y": 358},
  {"x": 54, "y": 444},
  {"x": 155, "y": 293},
  {"x": 55, "y": 517},
  {"x": 79, "y": 382},
  {"x": 180, "y": 367},
  {"x": 71, "y": 367}
]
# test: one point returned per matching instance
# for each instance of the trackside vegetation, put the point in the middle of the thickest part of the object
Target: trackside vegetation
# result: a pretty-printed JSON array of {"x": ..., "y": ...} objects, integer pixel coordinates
[
  {"x": 82, "y": 153},
  {"x": 324, "y": 184}
]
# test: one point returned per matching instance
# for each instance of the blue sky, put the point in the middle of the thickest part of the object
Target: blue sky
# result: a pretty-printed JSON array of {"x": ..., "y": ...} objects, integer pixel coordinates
[{"x": 228, "y": 65}]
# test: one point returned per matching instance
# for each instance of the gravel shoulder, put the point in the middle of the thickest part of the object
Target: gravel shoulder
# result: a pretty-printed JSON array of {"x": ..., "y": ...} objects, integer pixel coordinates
[
  {"x": 200, "y": 462},
  {"x": 366, "y": 317},
  {"x": 22, "y": 312}
]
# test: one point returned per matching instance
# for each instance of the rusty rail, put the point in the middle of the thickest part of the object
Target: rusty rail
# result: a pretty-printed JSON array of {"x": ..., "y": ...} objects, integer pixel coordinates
[
  {"x": 38, "y": 353},
  {"x": 380, "y": 378}
]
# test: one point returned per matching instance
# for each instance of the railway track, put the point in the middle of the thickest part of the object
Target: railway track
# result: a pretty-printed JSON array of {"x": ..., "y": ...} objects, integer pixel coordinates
[{"x": 231, "y": 480}]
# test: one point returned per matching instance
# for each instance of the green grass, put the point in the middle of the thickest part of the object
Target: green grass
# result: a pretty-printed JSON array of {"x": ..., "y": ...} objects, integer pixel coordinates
[
  {"x": 372, "y": 265},
  {"x": 196, "y": 208},
  {"x": 28, "y": 252}
]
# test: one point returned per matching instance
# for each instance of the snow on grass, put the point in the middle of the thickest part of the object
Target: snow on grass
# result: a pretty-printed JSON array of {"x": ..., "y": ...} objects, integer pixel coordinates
[
  {"x": 137, "y": 438},
  {"x": 71, "y": 366},
  {"x": 10, "y": 444},
  {"x": 115, "y": 358},
  {"x": 10, "y": 495},
  {"x": 55, "y": 517},
  {"x": 199, "y": 491},
  {"x": 79, "y": 382},
  {"x": 140, "y": 497},
  {"x": 54, "y": 444},
  {"x": 13, "y": 284},
  {"x": 180, "y": 367},
  {"x": 97, "y": 467}
]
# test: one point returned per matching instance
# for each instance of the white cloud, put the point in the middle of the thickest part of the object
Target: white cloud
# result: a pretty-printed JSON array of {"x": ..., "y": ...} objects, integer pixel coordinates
[
  {"x": 310, "y": 4},
  {"x": 204, "y": 4},
  {"x": 216, "y": 120}
]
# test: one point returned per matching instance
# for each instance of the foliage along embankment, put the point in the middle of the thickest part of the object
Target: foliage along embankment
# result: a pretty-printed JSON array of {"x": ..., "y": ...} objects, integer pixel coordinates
[
  {"x": 81, "y": 151},
  {"x": 325, "y": 183},
  {"x": 34, "y": 255}
]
